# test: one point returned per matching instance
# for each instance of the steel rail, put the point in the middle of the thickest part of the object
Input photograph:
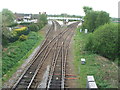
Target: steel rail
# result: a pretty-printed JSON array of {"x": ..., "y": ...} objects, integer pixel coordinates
[
  {"x": 62, "y": 66},
  {"x": 34, "y": 60},
  {"x": 43, "y": 58},
  {"x": 54, "y": 63},
  {"x": 28, "y": 66}
]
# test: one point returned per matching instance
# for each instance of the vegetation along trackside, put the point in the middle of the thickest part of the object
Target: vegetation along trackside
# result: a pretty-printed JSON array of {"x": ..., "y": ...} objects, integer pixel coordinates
[
  {"x": 99, "y": 47},
  {"x": 16, "y": 52},
  {"x": 104, "y": 70},
  {"x": 18, "y": 41}
]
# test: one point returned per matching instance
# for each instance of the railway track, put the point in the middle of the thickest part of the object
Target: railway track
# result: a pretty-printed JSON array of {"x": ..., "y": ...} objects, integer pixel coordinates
[
  {"x": 55, "y": 48},
  {"x": 57, "y": 72},
  {"x": 27, "y": 77},
  {"x": 36, "y": 80}
]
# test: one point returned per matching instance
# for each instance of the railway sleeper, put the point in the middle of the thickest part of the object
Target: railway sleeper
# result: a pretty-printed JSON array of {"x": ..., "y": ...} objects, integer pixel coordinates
[
  {"x": 26, "y": 81},
  {"x": 58, "y": 71},
  {"x": 55, "y": 85},
  {"x": 31, "y": 71},
  {"x": 21, "y": 87},
  {"x": 57, "y": 75},
  {"x": 55, "y": 82},
  {"x": 26, "y": 78},
  {"x": 58, "y": 65},
  {"x": 56, "y": 79},
  {"x": 59, "y": 61}
]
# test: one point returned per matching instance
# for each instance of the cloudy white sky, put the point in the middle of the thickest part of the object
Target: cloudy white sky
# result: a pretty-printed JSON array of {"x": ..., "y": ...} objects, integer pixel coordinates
[{"x": 60, "y": 6}]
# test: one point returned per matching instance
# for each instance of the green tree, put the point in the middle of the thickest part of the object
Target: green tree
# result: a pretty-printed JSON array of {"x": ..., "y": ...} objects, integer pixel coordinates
[
  {"x": 102, "y": 18},
  {"x": 0, "y": 17},
  {"x": 42, "y": 19},
  {"x": 63, "y": 15},
  {"x": 89, "y": 21},
  {"x": 7, "y": 17},
  {"x": 87, "y": 9},
  {"x": 94, "y": 19}
]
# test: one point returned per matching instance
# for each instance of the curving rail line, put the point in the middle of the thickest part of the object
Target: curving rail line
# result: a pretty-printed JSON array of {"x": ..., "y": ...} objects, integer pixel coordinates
[
  {"x": 59, "y": 40},
  {"x": 57, "y": 72},
  {"x": 27, "y": 77}
]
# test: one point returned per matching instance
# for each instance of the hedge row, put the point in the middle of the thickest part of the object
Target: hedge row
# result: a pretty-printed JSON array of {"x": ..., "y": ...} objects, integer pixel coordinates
[
  {"x": 13, "y": 25},
  {"x": 104, "y": 41},
  {"x": 17, "y": 50},
  {"x": 33, "y": 27}
]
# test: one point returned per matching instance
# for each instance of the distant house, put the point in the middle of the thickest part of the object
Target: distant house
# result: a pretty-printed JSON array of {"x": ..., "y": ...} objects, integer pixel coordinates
[
  {"x": 35, "y": 16},
  {"x": 21, "y": 16},
  {"x": 27, "y": 17}
]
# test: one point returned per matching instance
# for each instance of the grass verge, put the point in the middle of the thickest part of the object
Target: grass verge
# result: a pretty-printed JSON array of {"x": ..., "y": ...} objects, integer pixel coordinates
[
  {"x": 104, "y": 71},
  {"x": 25, "y": 55}
]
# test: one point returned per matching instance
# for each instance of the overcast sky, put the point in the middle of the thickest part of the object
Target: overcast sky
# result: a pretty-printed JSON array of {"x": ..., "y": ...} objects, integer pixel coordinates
[{"x": 60, "y": 6}]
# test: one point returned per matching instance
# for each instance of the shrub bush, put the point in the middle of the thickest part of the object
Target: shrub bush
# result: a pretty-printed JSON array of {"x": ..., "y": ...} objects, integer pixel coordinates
[
  {"x": 20, "y": 31},
  {"x": 25, "y": 23},
  {"x": 33, "y": 27},
  {"x": 89, "y": 43},
  {"x": 40, "y": 25},
  {"x": 14, "y": 36},
  {"x": 104, "y": 41},
  {"x": 23, "y": 37},
  {"x": 13, "y": 25},
  {"x": 17, "y": 50}
]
